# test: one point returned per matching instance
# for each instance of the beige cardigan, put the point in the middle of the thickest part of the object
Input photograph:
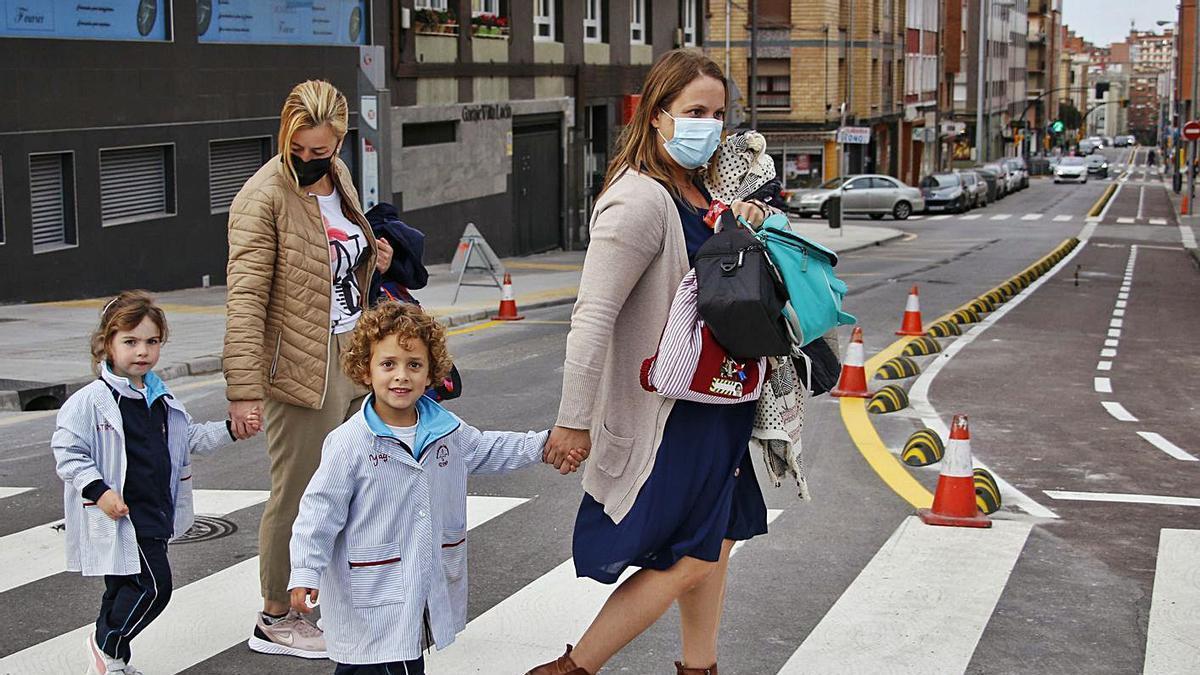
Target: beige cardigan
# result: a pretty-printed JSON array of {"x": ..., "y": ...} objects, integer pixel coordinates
[{"x": 635, "y": 261}]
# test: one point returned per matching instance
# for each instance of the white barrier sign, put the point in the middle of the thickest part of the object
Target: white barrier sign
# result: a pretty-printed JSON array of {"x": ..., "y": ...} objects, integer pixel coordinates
[{"x": 854, "y": 135}]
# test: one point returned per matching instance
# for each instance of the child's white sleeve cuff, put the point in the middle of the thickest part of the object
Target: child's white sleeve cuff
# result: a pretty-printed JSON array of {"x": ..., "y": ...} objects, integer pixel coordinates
[{"x": 304, "y": 578}]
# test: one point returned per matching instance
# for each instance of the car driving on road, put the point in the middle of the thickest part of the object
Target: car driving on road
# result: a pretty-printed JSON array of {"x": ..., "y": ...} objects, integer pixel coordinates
[
  {"x": 1071, "y": 169},
  {"x": 1097, "y": 165}
]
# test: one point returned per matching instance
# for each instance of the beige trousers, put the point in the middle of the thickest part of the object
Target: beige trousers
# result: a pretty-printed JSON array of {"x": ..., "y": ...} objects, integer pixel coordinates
[{"x": 294, "y": 438}]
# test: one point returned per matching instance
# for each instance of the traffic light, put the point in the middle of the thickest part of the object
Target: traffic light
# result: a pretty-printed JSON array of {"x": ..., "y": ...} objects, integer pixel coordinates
[{"x": 1057, "y": 127}]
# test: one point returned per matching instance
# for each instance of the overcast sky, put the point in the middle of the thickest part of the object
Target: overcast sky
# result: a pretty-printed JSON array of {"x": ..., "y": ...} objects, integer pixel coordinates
[{"x": 1105, "y": 21}]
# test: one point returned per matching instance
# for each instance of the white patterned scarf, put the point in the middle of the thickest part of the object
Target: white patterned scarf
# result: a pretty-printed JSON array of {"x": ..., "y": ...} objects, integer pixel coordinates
[{"x": 778, "y": 421}]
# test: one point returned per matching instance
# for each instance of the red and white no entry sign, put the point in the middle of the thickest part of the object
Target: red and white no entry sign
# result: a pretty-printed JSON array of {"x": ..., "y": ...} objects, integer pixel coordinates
[{"x": 1191, "y": 131}]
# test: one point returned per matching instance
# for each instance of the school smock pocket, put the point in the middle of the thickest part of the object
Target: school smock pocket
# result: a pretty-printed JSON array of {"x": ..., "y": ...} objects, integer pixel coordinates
[
  {"x": 376, "y": 575},
  {"x": 612, "y": 452},
  {"x": 99, "y": 525},
  {"x": 454, "y": 553}
]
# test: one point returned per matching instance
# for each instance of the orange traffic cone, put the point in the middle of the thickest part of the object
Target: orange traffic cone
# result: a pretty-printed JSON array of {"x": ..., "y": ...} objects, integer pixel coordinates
[
  {"x": 954, "y": 502},
  {"x": 911, "y": 324},
  {"x": 1183, "y": 206},
  {"x": 853, "y": 381},
  {"x": 508, "y": 305}
]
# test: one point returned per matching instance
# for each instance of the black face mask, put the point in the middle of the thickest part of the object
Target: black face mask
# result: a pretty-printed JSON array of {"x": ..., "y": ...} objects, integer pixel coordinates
[{"x": 311, "y": 171}]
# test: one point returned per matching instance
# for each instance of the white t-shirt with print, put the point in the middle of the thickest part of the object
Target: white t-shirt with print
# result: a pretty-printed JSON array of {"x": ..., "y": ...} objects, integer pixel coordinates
[
  {"x": 348, "y": 248},
  {"x": 406, "y": 435}
]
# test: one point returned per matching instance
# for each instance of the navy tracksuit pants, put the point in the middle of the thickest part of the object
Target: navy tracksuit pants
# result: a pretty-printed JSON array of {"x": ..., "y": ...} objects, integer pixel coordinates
[
  {"x": 131, "y": 602},
  {"x": 414, "y": 667}
]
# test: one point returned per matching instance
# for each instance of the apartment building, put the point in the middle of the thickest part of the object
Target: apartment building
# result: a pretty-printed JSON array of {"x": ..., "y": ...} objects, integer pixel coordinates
[
  {"x": 924, "y": 95},
  {"x": 818, "y": 63},
  {"x": 992, "y": 36},
  {"x": 1045, "y": 81}
]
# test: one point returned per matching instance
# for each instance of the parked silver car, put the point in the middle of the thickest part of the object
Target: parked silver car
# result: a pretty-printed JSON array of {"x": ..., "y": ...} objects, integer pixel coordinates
[
  {"x": 873, "y": 194},
  {"x": 975, "y": 187}
]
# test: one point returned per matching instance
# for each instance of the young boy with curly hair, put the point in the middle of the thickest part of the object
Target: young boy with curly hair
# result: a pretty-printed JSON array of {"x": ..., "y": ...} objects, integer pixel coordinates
[{"x": 382, "y": 531}]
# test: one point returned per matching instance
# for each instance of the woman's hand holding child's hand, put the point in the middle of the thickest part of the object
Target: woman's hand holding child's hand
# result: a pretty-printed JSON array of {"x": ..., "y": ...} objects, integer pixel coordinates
[
  {"x": 112, "y": 505},
  {"x": 567, "y": 448},
  {"x": 299, "y": 595}
]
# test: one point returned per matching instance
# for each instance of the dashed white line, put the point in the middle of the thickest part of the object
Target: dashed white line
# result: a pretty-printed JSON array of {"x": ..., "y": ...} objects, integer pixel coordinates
[
  {"x": 1123, "y": 295},
  {"x": 1121, "y": 304},
  {"x": 1031, "y": 216},
  {"x": 1112, "y": 343},
  {"x": 1062, "y": 219},
  {"x": 1163, "y": 500},
  {"x": 1104, "y": 365},
  {"x": 1116, "y": 323},
  {"x": 1002, "y": 216},
  {"x": 1167, "y": 446},
  {"x": 1158, "y": 221},
  {"x": 973, "y": 216},
  {"x": 1187, "y": 236},
  {"x": 1102, "y": 385},
  {"x": 1114, "y": 332},
  {"x": 941, "y": 217},
  {"x": 1108, "y": 353},
  {"x": 1126, "y": 221},
  {"x": 1118, "y": 411},
  {"x": 1118, "y": 312}
]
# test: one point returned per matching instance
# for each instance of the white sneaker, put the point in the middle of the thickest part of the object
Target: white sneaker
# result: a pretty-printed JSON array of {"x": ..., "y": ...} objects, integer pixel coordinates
[
  {"x": 100, "y": 663},
  {"x": 130, "y": 670}
]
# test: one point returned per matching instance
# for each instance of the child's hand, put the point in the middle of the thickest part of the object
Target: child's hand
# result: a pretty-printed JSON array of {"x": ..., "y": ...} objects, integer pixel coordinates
[
  {"x": 112, "y": 505},
  {"x": 252, "y": 426},
  {"x": 566, "y": 461},
  {"x": 299, "y": 595}
]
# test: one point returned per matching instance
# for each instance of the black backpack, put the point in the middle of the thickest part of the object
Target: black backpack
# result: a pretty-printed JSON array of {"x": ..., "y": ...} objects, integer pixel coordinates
[{"x": 740, "y": 297}]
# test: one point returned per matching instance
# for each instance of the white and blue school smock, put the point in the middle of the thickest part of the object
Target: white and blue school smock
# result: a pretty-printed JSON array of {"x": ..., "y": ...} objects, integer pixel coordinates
[
  {"x": 382, "y": 530},
  {"x": 89, "y": 445}
]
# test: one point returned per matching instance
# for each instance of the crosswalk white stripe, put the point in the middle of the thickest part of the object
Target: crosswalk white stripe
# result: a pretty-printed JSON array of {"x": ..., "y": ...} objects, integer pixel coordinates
[
  {"x": 1062, "y": 219},
  {"x": 1102, "y": 385},
  {"x": 972, "y": 216},
  {"x": 1126, "y": 221},
  {"x": 941, "y": 579},
  {"x": 1031, "y": 216},
  {"x": 39, "y": 552},
  {"x": 1121, "y": 498},
  {"x": 1158, "y": 221},
  {"x": 1002, "y": 216},
  {"x": 1158, "y": 441},
  {"x": 12, "y": 491},
  {"x": 531, "y": 625},
  {"x": 1118, "y": 411},
  {"x": 1172, "y": 645},
  {"x": 940, "y": 217},
  {"x": 189, "y": 631}
]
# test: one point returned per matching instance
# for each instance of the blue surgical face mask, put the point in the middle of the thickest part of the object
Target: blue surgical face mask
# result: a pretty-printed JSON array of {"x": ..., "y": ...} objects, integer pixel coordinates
[{"x": 695, "y": 140}]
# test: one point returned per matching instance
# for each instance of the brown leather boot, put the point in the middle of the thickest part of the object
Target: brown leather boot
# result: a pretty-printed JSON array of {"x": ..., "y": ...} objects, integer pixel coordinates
[
  {"x": 681, "y": 670},
  {"x": 563, "y": 665}
]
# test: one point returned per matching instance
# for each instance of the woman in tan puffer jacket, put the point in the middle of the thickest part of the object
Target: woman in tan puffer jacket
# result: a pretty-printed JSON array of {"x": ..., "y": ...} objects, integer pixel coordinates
[{"x": 301, "y": 257}]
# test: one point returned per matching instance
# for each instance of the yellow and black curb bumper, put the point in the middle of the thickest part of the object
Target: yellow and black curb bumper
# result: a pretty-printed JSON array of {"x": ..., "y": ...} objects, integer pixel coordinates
[
  {"x": 923, "y": 448},
  {"x": 1103, "y": 201},
  {"x": 888, "y": 400},
  {"x": 987, "y": 493},
  {"x": 855, "y": 411},
  {"x": 944, "y": 329},
  {"x": 922, "y": 346},
  {"x": 898, "y": 368},
  {"x": 965, "y": 315}
]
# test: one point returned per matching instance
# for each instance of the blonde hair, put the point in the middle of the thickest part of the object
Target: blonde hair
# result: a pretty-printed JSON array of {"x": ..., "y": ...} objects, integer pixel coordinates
[
  {"x": 311, "y": 104},
  {"x": 637, "y": 147},
  {"x": 124, "y": 312},
  {"x": 406, "y": 322}
]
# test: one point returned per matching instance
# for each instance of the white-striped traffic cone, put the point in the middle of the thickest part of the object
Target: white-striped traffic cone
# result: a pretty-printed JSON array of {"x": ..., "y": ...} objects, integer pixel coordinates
[
  {"x": 954, "y": 502},
  {"x": 911, "y": 324},
  {"x": 508, "y": 304},
  {"x": 853, "y": 381}
]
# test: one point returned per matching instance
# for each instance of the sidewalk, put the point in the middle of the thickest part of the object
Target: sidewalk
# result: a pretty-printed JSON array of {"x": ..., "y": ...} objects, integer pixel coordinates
[
  {"x": 44, "y": 346},
  {"x": 1188, "y": 225}
]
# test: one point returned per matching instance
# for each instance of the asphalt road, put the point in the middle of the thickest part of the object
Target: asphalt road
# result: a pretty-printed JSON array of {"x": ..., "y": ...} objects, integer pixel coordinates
[{"x": 1077, "y": 597}]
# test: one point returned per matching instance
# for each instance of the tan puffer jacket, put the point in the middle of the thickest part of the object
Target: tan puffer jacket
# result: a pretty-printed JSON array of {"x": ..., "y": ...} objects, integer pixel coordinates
[{"x": 280, "y": 286}]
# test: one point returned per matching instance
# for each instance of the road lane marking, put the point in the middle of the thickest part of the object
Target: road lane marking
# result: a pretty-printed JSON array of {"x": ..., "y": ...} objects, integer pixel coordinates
[
  {"x": 1031, "y": 216},
  {"x": 1141, "y": 201},
  {"x": 1104, "y": 365},
  {"x": 532, "y": 624},
  {"x": 13, "y": 491},
  {"x": 1158, "y": 221},
  {"x": 1122, "y": 304},
  {"x": 1187, "y": 236},
  {"x": 1118, "y": 312},
  {"x": 1166, "y": 446},
  {"x": 941, "y": 217},
  {"x": 189, "y": 631},
  {"x": 1173, "y": 635},
  {"x": 1123, "y": 295},
  {"x": 1126, "y": 221},
  {"x": 1102, "y": 385},
  {"x": 923, "y": 576},
  {"x": 1111, "y": 200},
  {"x": 973, "y": 216},
  {"x": 1116, "y": 323},
  {"x": 1112, "y": 343},
  {"x": 1063, "y": 218},
  {"x": 1121, "y": 498},
  {"x": 40, "y": 551},
  {"x": 1114, "y": 332},
  {"x": 1002, "y": 216},
  {"x": 1108, "y": 353},
  {"x": 1118, "y": 411}
]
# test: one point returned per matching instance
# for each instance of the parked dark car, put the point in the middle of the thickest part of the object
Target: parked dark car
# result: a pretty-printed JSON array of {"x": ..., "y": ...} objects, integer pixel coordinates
[
  {"x": 1017, "y": 165},
  {"x": 1000, "y": 176},
  {"x": 989, "y": 179},
  {"x": 944, "y": 192},
  {"x": 976, "y": 189}
]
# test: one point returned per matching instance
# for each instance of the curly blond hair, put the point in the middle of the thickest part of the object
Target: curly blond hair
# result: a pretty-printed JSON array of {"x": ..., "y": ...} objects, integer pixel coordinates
[
  {"x": 406, "y": 322},
  {"x": 124, "y": 312}
]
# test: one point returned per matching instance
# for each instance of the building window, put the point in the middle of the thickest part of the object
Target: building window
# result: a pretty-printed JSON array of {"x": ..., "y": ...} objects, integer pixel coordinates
[
  {"x": 637, "y": 22},
  {"x": 774, "y": 84},
  {"x": 429, "y": 133},
  {"x": 774, "y": 13},
  {"x": 52, "y": 200},
  {"x": 687, "y": 17},
  {"x": 440, "y": 5},
  {"x": 543, "y": 21},
  {"x": 230, "y": 164},
  {"x": 485, "y": 7},
  {"x": 592, "y": 20},
  {"x": 137, "y": 184}
]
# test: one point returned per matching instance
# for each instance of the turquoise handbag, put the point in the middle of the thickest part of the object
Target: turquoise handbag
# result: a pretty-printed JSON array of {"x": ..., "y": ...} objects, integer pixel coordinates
[{"x": 815, "y": 293}]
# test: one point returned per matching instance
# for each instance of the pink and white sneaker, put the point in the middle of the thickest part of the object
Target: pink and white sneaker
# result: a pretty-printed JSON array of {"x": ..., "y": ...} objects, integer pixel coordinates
[{"x": 100, "y": 663}]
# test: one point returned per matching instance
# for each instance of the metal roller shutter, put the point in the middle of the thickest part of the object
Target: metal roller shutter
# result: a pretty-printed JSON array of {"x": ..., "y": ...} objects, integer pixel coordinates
[
  {"x": 47, "y": 201},
  {"x": 133, "y": 183},
  {"x": 230, "y": 165}
]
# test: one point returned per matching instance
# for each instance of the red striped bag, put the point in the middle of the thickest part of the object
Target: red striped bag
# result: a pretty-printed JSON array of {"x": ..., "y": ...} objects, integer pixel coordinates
[{"x": 691, "y": 365}]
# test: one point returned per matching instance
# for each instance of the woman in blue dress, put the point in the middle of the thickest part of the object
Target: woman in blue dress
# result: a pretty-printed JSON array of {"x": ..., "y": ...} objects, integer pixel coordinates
[{"x": 670, "y": 485}]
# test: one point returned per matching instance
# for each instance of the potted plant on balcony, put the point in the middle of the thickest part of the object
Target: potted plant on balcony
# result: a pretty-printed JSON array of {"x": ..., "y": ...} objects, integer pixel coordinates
[
  {"x": 449, "y": 21},
  {"x": 489, "y": 25}
]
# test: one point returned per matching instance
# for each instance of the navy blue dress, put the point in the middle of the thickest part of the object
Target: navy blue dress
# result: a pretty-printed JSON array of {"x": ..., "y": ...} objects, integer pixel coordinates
[{"x": 701, "y": 491}]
